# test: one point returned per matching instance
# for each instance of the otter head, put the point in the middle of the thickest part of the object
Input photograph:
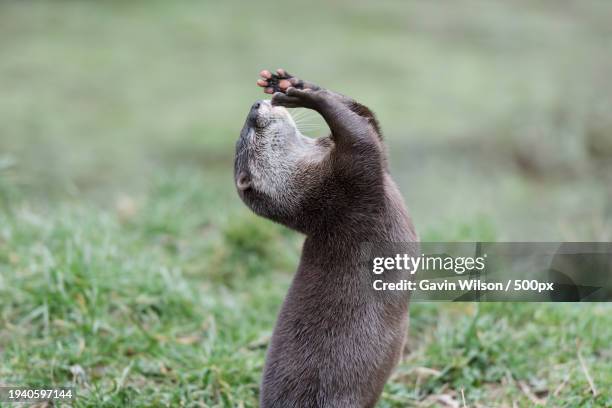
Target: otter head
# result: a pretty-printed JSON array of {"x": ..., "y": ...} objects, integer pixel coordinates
[{"x": 271, "y": 165}]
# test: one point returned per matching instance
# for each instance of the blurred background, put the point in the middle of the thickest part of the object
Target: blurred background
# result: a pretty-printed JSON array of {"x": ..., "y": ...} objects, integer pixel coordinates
[
  {"x": 129, "y": 265},
  {"x": 489, "y": 109}
]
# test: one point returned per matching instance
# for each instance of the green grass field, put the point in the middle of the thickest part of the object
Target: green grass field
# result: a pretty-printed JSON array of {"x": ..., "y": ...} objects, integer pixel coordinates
[{"x": 130, "y": 269}]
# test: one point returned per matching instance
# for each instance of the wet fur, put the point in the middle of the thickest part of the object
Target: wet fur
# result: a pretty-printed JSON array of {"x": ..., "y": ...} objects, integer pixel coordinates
[{"x": 334, "y": 345}]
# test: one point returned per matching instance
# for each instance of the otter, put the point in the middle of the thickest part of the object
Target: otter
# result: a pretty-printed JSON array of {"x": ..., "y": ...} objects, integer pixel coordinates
[{"x": 334, "y": 344}]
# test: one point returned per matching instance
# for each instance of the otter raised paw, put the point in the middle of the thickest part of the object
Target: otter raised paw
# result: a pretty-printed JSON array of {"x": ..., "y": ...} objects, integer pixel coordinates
[{"x": 280, "y": 81}]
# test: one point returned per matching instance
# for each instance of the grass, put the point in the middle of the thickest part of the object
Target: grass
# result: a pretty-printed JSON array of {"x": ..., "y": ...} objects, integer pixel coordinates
[
  {"x": 136, "y": 310},
  {"x": 130, "y": 269}
]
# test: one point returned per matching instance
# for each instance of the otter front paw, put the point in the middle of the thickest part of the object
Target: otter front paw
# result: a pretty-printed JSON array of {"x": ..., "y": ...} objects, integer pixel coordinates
[
  {"x": 280, "y": 81},
  {"x": 298, "y": 98}
]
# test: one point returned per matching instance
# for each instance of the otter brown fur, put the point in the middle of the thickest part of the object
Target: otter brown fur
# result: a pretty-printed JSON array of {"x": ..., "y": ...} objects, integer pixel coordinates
[{"x": 334, "y": 344}]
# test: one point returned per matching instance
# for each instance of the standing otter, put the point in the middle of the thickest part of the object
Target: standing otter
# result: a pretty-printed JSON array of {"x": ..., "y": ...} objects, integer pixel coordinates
[{"x": 334, "y": 344}]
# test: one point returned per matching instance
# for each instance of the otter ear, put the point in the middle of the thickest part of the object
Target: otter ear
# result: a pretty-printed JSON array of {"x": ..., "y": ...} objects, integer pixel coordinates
[{"x": 243, "y": 182}]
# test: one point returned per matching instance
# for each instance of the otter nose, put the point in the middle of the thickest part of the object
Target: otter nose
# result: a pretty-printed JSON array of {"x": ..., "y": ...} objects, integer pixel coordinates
[{"x": 254, "y": 112}]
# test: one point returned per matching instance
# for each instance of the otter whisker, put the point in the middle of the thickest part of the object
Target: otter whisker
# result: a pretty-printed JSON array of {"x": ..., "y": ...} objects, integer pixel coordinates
[
  {"x": 298, "y": 114},
  {"x": 306, "y": 123},
  {"x": 304, "y": 120}
]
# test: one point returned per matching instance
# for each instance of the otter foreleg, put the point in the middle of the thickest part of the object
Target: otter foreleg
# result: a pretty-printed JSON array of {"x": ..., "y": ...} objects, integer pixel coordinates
[
  {"x": 347, "y": 127},
  {"x": 343, "y": 115}
]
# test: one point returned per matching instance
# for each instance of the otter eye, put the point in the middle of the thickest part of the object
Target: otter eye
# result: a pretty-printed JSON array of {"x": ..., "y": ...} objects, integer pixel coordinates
[{"x": 243, "y": 182}]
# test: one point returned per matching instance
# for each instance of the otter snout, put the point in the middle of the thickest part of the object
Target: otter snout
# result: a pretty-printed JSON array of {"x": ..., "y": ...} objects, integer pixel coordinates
[
  {"x": 259, "y": 110},
  {"x": 253, "y": 113},
  {"x": 255, "y": 107}
]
